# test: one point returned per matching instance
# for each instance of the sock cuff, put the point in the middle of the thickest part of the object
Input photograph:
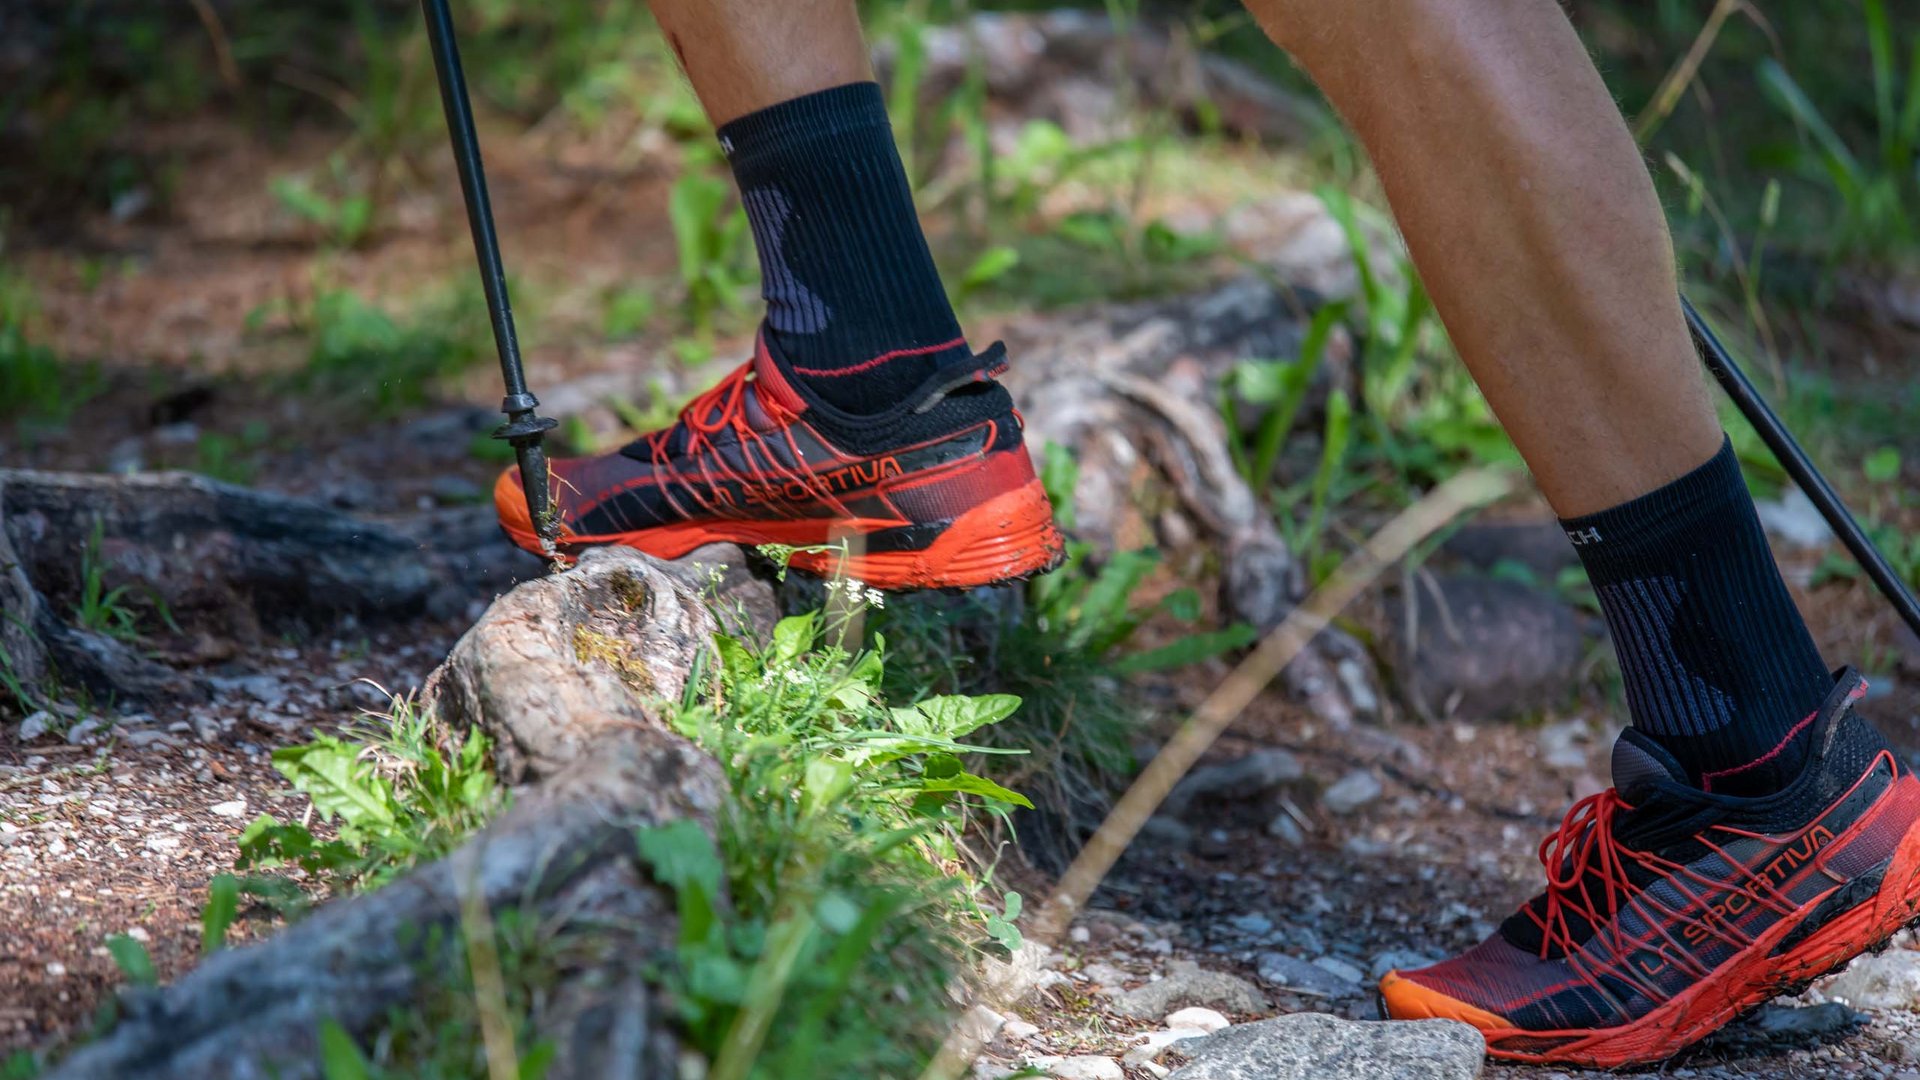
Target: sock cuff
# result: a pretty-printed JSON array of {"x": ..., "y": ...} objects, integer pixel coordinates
[
  {"x": 1658, "y": 517},
  {"x": 836, "y": 112}
]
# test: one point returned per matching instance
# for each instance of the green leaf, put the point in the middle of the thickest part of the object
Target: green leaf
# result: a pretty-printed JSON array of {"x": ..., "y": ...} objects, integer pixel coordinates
[
  {"x": 680, "y": 853},
  {"x": 991, "y": 266},
  {"x": 223, "y": 903},
  {"x": 1060, "y": 478},
  {"x": 1883, "y": 465},
  {"x": 539, "y": 1058},
  {"x": 954, "y": 716},
  {"x": 340, "y": 1057},
  {"x": 340, "y": 784},
  {"x": 969, "y": 784},
  {"x": 1188, "y": 650},
  {"x": 792, "y": 637},
  {"x": 836, "y": 912},
  {"x": 132, "y": 958}
]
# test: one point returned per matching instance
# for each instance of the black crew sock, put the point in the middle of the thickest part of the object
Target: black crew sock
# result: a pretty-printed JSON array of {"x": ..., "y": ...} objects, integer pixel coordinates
[
  {"x": 855, "y": 308},
  {"x": 1718, "y": 665}
]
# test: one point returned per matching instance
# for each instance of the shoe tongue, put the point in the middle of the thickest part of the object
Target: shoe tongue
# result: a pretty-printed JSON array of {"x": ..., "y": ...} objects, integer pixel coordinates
[{"x": 1639, "y": 761}]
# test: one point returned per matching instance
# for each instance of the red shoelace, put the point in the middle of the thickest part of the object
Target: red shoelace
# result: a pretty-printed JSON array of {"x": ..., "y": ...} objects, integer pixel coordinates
[
  {"x": 1581, "y": 849},
  {"x": 719, "y": 408}
]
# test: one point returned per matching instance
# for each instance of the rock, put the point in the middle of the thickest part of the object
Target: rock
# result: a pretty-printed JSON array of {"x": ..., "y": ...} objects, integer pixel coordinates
[
  {"x": 1340, "y": 969},
  {"x": 981, "y": 1023},
  {"x": 1315, "y": 1046},
  {"x": 1082, "y": 1067},
  {"x": 228, "y": 564},
  {"x": 1243, "y": 778},
  {"x": 38, "y": 723},
  {"x": 1795, "y": 520},
  {"x": 1009, "y": 980},
  {"x": 1480, "y": 647},
  {"x": 1167, "y": 831},
  {"x": 593, "y": 762},
  {"x": 1286, "y": 830},
  {"x": 1251, "y": 923},
  {"x": 1153, "y": 1043},
  {"x": 1890, "y": 980},
  {"x": 1187, "y": 984},
  {"x": 1351, "y": 792},
  {"x": 234, "y": 809},
  {"x": 1826, "y": 1018},
  {"x": 1397, "y": 960},
  {"x": 1019, "y": 1029},
  {"x": 1539, "y": 546},
  {"x": 1196, "y": 1017},
  {"x": 1293, "y": 973},
  {"x": 1566, "y": 745}
]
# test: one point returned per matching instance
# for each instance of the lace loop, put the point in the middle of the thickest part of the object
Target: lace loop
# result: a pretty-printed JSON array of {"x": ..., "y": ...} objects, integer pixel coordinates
[{"x": 1582, "y": 848}]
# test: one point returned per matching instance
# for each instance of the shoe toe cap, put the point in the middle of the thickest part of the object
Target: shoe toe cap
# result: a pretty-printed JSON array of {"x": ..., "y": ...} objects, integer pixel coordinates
[{"x": 1405, "y": 997}]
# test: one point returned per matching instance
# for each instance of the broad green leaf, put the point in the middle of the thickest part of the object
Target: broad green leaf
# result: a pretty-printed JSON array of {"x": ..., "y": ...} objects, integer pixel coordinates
[
  {"x": 991, "y": 266},
  {"x": 679, "y": 853},
  {"x": 836, "y": 912},
  {"x": 969, "y": 784},
  {"x": 340, "y": 1058},
  {"x": 792, "y": 637},
  {"x": 223, "y": 903},
  {"x": 340, "y": 784},
  {"x": 132, "y": 958},
  {"x": 954, "y": 716}
]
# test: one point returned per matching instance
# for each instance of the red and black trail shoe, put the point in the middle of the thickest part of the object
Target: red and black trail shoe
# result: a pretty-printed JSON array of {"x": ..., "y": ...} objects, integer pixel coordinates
[
  {"x": 936, "y": 492},
  {"x": 1670, "y": 910}
]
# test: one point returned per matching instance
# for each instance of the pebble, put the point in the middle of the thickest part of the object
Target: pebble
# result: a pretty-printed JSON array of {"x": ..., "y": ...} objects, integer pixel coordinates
[
  {"x": 1187, "y": 984},
  {"x": 1398, "y": 960},
  {"x": 1019, "y": 1029},
  {"x": 1081, "y": 1067},
  {"x": 981, "y": 1023},
  {"x": 1154, "y": 1043},
  {"x": 1197, "y": 1017},
  {"x": 1340, "y": 969},
  {"x": 1315, "y": 1046},
  {"x": 1890, "y": 980},
  {"x": 1286, "y": 830},
  {"x": 1079, "y": 935},
  {"x": 1297, "y": 974},
  {"x": 233, "y": 809},
  {"x": 1351, "y": 792},
  {"x": 1251, "y": 923}
]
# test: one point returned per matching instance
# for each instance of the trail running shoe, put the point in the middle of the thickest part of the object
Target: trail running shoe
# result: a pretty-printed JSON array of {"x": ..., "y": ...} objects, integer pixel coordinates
[
  {"x": 937, "y": 492},
  {"x": 1670, "y": 910}
]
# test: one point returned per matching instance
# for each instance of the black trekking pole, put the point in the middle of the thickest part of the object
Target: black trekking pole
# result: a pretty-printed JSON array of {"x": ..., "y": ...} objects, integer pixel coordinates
[
  {"x": 1795, "y": 461},
  {"x": 524, "y": 429}
]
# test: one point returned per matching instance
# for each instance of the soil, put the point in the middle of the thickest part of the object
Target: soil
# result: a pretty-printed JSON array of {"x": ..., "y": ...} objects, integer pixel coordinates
[{"x": 122, "y": 836}]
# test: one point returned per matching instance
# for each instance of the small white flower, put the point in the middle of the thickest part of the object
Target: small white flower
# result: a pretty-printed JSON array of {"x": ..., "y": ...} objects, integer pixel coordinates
[
  {"x": 876, "y": 598},
  {"x": 798, "y": 677},
  {"x": 855, "y": 586}
]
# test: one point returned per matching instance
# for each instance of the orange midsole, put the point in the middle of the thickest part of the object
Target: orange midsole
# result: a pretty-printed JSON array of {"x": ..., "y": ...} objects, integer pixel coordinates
[
  {"x": 1749, "y": 979},
  {"x": 1008, "y": 536}
]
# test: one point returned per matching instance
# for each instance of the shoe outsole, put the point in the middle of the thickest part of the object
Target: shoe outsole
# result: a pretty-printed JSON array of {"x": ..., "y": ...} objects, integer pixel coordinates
[
  {"x": 1748, "y": 980},
  {"x": 1007, "y": 538}
]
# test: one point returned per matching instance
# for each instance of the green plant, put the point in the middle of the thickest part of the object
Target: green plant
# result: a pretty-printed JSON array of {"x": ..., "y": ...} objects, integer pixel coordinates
[
  {"x": 103, "y": 610},
  {"x": 400, "y": 789},
  {"x": 710, "y": 233},
  {"x": 130, "y": 956},
  {"x": 1878, "y": 193},
  {"x": 1065, "y": 651},
  {"x": 839, "y": 849},
  {"x": 35, "y": 383},
  {"x": 357, "y": 348},
  {"x": 20, "y": 1065},
  {"x": 342, "y": 218}
]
